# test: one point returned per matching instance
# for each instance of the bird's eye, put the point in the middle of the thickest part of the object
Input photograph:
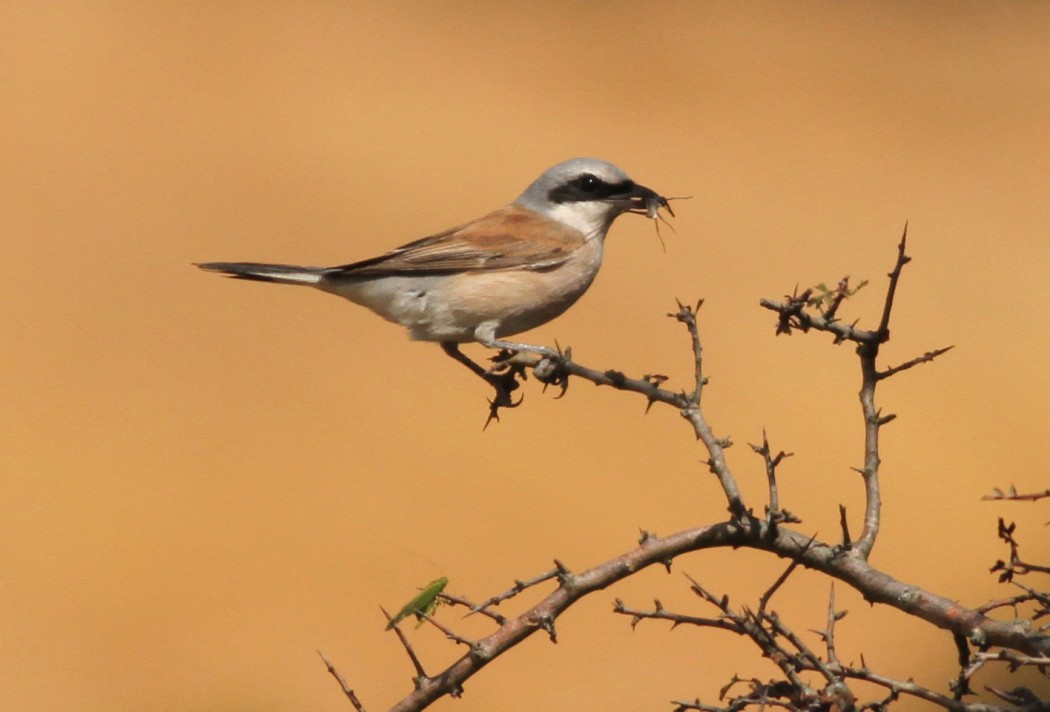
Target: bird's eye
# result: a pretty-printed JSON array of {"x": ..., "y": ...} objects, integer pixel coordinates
[{"x": 588, "y": 183}]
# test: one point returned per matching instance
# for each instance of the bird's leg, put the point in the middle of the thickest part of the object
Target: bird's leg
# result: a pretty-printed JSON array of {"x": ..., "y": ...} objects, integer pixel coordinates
[
  {"x": 551, "y": 362},
  {"x": 503, "y": 383},
  {"x": 521, "y": 348},
  {"x": 485, "y": 334}
]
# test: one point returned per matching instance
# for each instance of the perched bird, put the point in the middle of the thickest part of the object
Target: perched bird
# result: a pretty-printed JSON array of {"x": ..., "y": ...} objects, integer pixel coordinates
[{"x": 503, "y": 273}]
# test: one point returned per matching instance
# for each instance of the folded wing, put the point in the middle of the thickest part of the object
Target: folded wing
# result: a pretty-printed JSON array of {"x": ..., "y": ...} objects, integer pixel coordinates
[{"x": 512, "y": 237}]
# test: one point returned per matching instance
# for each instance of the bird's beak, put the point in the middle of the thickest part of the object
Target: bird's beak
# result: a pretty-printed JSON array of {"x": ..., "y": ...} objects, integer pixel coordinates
[{"x": 642, "y": 200}]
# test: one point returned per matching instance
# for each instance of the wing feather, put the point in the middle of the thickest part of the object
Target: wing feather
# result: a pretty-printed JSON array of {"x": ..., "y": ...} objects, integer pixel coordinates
[{"x": 512, "y": 237}]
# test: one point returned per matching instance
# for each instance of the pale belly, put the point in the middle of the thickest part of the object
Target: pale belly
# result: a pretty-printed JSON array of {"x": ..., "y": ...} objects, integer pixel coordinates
[{"x": 454, "y": 307}]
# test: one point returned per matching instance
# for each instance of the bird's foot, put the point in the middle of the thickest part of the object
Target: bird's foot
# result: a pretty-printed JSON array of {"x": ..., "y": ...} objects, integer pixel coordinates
[
  {"x": 504, "y": 384},
  {"x": 550, "y": 369},
  {"x": 554, "y": 370},
  {"x": 550, "y": 366}
]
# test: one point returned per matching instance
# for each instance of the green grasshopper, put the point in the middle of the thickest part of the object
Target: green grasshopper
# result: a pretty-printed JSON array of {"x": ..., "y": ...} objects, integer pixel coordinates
[{"x": 424, "y": 603}]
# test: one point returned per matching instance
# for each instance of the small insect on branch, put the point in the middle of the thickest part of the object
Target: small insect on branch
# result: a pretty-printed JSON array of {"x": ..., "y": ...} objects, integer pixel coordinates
[{"x": 424, "y": 603}]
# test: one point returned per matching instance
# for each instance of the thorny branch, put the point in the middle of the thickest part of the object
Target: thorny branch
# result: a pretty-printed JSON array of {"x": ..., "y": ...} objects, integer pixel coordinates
[
  {"x": 786, "y": 649},
  {"x": 517, "y": 588},
  {"x": 420, "y": 673},
  {"x": 1013, "y": 495},
  {"x": 449, "y": 633},
  {"x": 1015, "y": 566},
  {"x": 772, "y": 462},
  {"x": 846, "y": 561},
  {"x": 796, "y": 313}
]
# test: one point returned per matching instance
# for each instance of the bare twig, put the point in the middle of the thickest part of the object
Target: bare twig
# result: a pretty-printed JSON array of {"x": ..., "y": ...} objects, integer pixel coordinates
[
  {"x": 1013, "y": 495},
  {"x": 472, "y": 608},
  {"x": 514, "y": 590},
  {"x": 772, "y": 462},
  {"x": 911, "y": 688},
  {"x": 658, "y": 612},
  {"x": 343, "y": 684},
  {"x": 421, "y": 675},
  {"x": 693, "y": 413},
  {"x": 1015, "y": 566},
  {"x": 1014, "y": 601},
  {"x": 847, "y": 540},
  {"x": 447, "y": 631},
  {"x": 764, "y": 600},
  {"x": 828, "y": 634},
  {"x": 1015, "y": 661},
  {"x": 721, "y": 604},
  {"x": 891, "y": 291},
  {"x": 925, "y": 358},
  {"x": 810, "y": 659}
]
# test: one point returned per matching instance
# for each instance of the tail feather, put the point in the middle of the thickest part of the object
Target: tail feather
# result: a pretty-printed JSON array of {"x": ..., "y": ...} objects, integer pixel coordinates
[{"x": 260, "y": 272}]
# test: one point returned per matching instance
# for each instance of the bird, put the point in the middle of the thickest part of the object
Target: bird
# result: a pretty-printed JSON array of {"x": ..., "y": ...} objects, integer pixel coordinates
[{"x": 498, "y": 275}]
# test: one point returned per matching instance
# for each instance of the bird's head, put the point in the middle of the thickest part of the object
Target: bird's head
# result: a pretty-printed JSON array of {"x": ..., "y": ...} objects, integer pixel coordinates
[{"x": 587, "y": 194}]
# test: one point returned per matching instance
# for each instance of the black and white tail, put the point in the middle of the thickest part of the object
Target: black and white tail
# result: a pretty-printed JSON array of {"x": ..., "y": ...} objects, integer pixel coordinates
[{"x": 260, "y": 272}]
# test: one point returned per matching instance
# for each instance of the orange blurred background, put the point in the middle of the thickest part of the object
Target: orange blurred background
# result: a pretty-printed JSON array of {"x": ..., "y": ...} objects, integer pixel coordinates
[{"x": 207, "y": 481}]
